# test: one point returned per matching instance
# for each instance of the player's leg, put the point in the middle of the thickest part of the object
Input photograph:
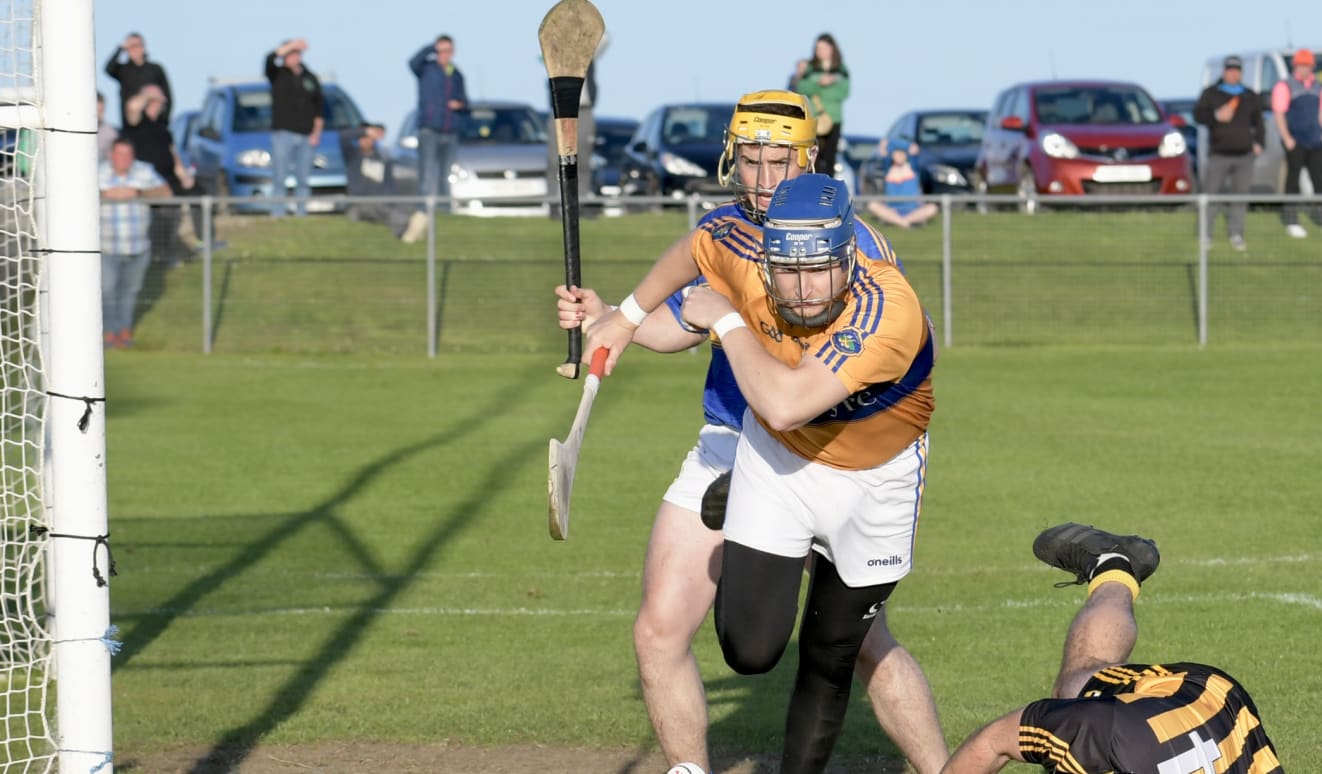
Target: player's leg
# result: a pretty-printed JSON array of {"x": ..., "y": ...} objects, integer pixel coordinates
[
  {"x": 901, "y": 698},
  {"x": 766, "y": 541},
  {"x": 1104, "y": 631},
  {"x": 679, "y": 584},
  {"x": 836, "y": 619}
]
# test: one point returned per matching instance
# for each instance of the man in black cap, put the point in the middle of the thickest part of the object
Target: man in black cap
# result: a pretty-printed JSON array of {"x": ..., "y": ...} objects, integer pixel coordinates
[{"x": 1232, "y": 114}]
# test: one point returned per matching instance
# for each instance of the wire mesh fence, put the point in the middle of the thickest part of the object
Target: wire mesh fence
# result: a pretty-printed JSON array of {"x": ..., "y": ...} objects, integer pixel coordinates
[{"x": 1083, "y": 272}]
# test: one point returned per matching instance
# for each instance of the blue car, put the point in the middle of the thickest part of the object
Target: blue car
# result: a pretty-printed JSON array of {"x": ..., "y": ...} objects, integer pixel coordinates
[{"x": 230, "y": 144}]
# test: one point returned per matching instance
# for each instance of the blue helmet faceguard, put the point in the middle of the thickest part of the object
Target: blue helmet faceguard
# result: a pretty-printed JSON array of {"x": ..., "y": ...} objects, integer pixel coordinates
[{"x": 809, "y": 228}]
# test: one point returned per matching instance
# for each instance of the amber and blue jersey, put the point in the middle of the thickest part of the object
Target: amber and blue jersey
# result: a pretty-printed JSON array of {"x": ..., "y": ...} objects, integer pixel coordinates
[
  {"x": 1150, "y": 719},
  {"x": 880, "y": 347},
  {"x": 722, "y": 402}
]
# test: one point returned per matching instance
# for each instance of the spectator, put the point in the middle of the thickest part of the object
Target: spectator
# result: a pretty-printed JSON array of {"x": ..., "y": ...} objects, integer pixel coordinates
[
  {"x": 824, "y": 80},
  {"x": 153, "y": 144},
  {"x": 125, "y": 246},
  {"x": 587, "y": 138},
  {"x": 441, "y": 97},
  {"x": 105, "y": 132},
  {"x": 902, "y": 180},
  {"x": 130, "y": 67},
  {"x": 1109, "y": 715},
  {"x": 1232, "y": 114},
  {"x": 1296, "y": 102},
  {"x": 296, "y": 122},
  {"x": 369, "y": 172}
]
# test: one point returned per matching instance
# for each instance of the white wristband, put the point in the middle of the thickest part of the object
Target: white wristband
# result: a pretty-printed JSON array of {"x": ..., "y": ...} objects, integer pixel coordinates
[
  {"x": 729, "y": 322},
  {"x": 632, "y": 311}
]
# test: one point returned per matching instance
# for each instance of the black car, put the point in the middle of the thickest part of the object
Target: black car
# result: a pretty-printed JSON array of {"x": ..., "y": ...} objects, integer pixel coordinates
[
  {"x": 947, "y": 143},
  {"x": 675, "y": 151},
  {"x": 1180, "y": 114},
  {"x": 613, "y": 136}
]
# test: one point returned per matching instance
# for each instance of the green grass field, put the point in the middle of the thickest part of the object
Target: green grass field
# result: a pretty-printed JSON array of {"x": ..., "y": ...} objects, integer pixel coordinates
[{"x": 323, "y": 535}]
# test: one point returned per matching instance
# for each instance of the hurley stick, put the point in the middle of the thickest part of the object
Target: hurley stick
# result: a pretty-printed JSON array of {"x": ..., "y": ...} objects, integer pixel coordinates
[{"x": 569, "y": 35}]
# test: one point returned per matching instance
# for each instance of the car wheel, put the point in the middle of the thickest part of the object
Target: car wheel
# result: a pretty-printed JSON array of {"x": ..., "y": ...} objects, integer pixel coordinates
[{"x": 1028, "y": 200}]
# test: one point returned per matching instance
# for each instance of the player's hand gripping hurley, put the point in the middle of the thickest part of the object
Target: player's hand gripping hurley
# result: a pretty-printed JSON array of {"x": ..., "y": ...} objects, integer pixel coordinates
[
  {"x": 569, "y": 34},
  {"x": 563, "y": 457}
]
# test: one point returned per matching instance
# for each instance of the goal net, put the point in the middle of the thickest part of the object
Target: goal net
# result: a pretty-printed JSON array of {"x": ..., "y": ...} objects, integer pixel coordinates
[{"x": 54, "y": 668}]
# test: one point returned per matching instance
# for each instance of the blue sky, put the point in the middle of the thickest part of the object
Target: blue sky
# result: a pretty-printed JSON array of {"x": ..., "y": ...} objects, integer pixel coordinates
[{"x": 901, "y": 56}]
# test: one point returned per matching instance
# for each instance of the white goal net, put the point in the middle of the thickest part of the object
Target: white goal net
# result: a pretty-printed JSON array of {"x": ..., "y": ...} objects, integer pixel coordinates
[
  {"x": 54, "y": 636},
  {"x": 25, "y": 647}
]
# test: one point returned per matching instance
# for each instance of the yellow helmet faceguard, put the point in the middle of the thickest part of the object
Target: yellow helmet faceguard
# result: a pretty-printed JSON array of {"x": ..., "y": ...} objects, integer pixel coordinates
[{"x": 767, "y": 118}]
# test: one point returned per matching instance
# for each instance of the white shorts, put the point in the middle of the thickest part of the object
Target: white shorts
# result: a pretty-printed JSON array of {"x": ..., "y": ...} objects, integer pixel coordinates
[
  {"x": 713, "y": 456},
  {"x": 863, "y": 521}
]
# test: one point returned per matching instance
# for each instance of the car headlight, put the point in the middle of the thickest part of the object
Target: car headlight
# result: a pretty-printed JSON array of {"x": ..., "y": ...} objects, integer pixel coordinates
[
  {"x": 1057, "y": 146},
  {"x": 320, "y": 161},
  {"x": 947, "y": 175},
  {"x": 254, "y": 157},
  {"x": 459, "y": 172},
  {"x": 678, "y": 165},
  {"x": 1172, "y": 145}
]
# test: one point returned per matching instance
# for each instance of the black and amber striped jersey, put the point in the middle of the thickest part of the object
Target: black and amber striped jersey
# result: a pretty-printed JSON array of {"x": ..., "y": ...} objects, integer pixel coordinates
[{"x": 1150, "y": 719}]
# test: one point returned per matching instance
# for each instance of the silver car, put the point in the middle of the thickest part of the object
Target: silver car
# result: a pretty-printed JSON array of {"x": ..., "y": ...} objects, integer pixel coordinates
[{"x": 500, "y": 167}]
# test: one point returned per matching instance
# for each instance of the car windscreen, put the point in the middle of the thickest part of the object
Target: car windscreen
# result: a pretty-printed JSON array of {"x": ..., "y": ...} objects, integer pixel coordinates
[
  {"x": 612, "y": 140},
  {"x": 502, "y": 125},
  {"x": 252, "y": 111},
  {"x": 695, "y": 124},
  {"x": 1095, "y": 105},
  {"x": 951, "y": 128}
]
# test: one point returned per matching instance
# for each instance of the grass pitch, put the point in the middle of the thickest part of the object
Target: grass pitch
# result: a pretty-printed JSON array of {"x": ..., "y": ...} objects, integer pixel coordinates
[{"x": 318, "y": 547}]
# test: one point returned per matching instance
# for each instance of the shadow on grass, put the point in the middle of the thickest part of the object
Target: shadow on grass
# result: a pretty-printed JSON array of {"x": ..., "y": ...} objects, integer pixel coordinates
[{"x": 236, "y": 744}]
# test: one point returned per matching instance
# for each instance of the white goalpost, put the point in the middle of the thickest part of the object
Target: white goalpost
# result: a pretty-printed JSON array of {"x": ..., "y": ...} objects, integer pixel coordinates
[{"x": 55, "y": 638}]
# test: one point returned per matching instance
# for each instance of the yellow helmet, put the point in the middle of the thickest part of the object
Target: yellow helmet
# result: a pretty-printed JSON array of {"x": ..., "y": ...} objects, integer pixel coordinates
[{"x": 773, "y": 117}]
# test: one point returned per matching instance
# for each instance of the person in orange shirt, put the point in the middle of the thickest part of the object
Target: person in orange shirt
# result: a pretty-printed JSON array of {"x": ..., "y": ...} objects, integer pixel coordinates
[
  {"x": 834, "y": 354},
  {"x": 1296, "y": 103}
]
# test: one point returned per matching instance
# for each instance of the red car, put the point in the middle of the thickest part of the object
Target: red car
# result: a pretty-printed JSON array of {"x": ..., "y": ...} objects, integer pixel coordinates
[{"x": 1080, "y": 137}]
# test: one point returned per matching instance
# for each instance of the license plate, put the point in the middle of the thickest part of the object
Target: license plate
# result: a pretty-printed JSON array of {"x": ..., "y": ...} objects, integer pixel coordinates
[{"x": 1123, "y": 173}]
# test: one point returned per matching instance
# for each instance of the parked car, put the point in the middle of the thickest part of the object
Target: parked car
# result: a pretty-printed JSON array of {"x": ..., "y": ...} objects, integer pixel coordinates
[
  {"x": 613, "y": 135},
  {"x": 1262, "y": 69},
  {"x": 1080, "y": 137},
  {"x": 500, "y": 166},
  {"x": 675, "y": 151},
  {"x": 230, "y": 144},
  {"x": 181, "y": 131},
  {"x": 948, "y": 142},
  {"x": 1180, "y": 114},
  {"x": 854, "y": 151}
]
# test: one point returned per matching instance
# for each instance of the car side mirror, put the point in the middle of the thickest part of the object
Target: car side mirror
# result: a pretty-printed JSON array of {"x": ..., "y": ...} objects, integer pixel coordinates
[
  {"x": 639, "y": 147},
  {"x": 1013, "y": 123}
]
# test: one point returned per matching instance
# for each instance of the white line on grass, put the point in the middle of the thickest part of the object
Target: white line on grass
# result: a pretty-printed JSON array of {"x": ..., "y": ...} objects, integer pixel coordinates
[{"x": 1285, "y": 598}]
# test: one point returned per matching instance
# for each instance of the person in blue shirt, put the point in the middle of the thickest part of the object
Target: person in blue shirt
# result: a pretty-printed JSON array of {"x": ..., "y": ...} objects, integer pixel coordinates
[
  {"x": 441, "y": 100},
  {"x": 902, "y": 180}
]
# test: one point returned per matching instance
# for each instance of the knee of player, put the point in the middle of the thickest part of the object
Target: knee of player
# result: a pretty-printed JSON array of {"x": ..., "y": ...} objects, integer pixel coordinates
[{"x": 750, "y": 655}]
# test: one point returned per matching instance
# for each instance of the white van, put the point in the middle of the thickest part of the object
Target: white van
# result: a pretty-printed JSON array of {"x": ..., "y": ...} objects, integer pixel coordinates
[{"x": 1262, "y": 69}]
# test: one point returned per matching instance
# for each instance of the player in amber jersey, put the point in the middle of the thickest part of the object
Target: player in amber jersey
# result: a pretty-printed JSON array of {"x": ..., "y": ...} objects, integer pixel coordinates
[
  {"x": 824, "y": 360},
  {"x": 1109, "y": 716}
]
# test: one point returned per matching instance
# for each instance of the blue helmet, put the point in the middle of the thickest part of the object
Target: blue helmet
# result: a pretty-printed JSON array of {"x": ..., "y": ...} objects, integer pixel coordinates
[{"x": 809, "y": 227}]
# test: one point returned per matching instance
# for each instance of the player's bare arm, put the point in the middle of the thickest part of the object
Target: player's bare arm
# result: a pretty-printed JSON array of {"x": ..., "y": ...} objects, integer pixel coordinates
[
  {"x": 989, "y": 749},
  {"x": 659, "y": 332},
  {"x": 672, "y": 271},
  {"x": 784, "y": 397}
]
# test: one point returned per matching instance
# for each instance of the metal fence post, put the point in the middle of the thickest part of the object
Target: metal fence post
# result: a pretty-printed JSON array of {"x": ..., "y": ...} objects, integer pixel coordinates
[
  {"x": 207, "y": 230},
  {"x": 947, "y": 313},
  {"x": 693, "y": 211},
  {"x": 1204, "y": 240},
  {"x": 431, "y": 277}
]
